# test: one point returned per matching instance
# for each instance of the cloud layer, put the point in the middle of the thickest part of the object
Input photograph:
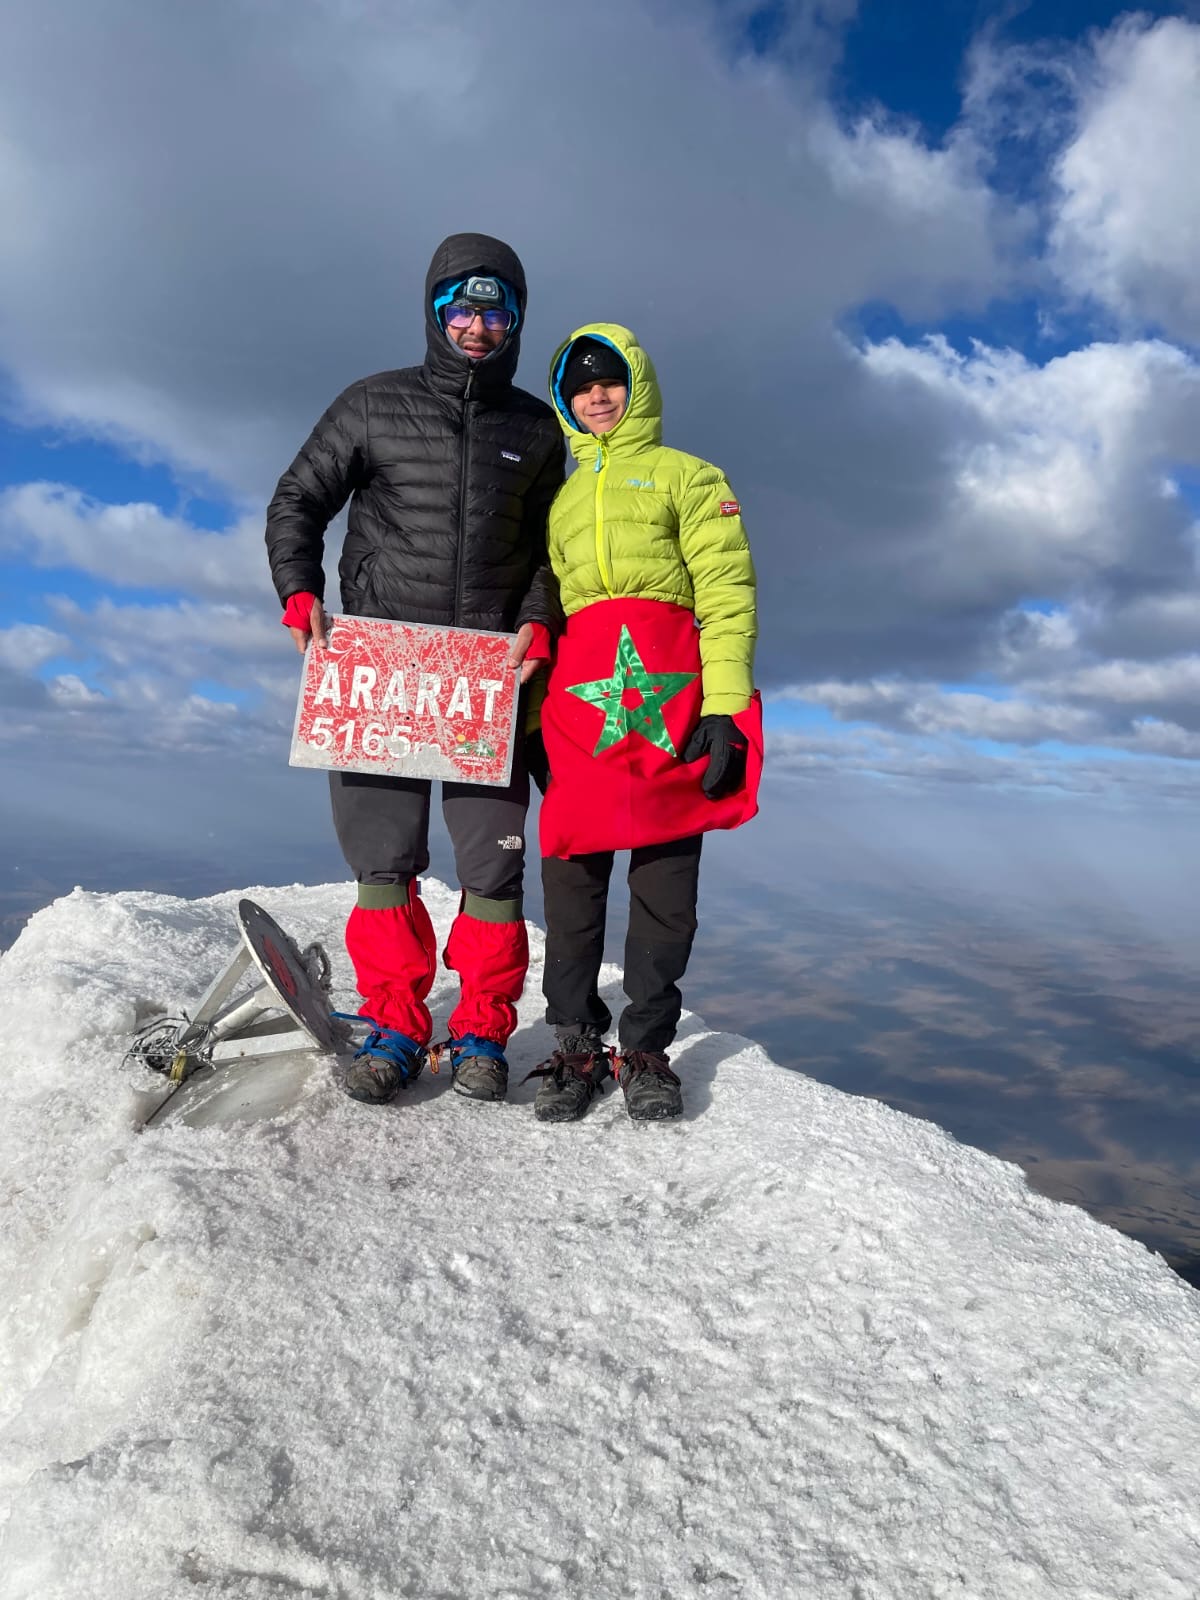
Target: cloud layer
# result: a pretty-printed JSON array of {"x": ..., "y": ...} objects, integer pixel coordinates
[
  {"x": 213, "y": 233},
  {"x": 1127, "y": 229}
]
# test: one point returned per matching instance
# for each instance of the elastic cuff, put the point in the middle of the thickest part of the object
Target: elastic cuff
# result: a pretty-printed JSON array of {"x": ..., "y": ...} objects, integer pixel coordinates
[
  {"x": 724, "y": 705},
  {"x": 484, "y": 910},
  {"x": 385, "y": 896},
  {"x": 297, "y": 612},
  {"x": 540, "y": 648}
]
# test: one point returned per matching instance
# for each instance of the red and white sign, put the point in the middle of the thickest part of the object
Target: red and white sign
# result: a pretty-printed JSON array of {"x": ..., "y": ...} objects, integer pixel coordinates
[{"x": 403, "y": 700}]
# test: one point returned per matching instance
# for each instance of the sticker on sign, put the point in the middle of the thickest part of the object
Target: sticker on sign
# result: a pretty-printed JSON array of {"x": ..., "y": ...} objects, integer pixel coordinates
[{"x": 404, "y": 700}]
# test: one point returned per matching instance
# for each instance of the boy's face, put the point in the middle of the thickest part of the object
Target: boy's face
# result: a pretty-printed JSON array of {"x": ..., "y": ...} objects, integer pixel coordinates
[{"x": 601, "y": 405}]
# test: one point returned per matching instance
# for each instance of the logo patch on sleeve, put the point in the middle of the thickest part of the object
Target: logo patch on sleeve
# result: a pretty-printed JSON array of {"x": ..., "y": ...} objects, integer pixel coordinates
[
  {"x": 730, "y": 508},
  {"x": 510, "y": 455}
]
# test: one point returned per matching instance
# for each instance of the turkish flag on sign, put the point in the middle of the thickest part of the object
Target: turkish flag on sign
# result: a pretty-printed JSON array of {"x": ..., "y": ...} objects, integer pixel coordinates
[{"x": 623, "y": 698}]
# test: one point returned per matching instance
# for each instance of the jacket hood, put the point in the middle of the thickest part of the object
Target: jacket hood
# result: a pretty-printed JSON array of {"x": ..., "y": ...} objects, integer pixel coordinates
[
  {"x": 641, "y": 425},
  {"x": 460, "y": 256}
]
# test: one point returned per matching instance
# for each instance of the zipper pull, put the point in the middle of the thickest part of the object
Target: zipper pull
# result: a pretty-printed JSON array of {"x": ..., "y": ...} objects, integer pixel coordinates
[{"x": 600, "y": 461}]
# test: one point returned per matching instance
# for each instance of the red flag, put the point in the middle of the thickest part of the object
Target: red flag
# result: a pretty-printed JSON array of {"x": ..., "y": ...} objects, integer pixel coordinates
[{"x": 623, "y": 698}]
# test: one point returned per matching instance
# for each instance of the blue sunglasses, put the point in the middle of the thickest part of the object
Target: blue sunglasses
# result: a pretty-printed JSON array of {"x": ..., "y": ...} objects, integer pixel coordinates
[{"x": 494, "y": 317}]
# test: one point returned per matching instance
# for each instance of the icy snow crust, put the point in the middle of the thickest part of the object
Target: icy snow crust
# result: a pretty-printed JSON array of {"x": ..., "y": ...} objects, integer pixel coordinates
[{"x": 795, "y": 1344}]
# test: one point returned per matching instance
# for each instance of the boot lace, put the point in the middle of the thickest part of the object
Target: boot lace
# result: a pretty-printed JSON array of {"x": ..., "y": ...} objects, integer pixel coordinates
[
  {"x": 592, "y": 1065},
  {"x": 634, "y": 1062}
]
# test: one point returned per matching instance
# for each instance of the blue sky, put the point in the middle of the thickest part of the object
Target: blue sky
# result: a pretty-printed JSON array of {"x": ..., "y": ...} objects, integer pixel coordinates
[{"x": 911, "y": 59}]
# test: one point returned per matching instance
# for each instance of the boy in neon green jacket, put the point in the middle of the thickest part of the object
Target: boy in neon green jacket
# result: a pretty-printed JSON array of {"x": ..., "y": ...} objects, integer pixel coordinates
[{"x": 652, "y": 727}]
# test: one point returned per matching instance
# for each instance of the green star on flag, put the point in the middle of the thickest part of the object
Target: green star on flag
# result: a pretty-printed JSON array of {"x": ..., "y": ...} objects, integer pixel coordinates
[{"x": 653, "y": 689}]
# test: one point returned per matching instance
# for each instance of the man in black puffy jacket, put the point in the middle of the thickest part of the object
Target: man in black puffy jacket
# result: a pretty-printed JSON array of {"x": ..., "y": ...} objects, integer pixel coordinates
[{"x": 450, "y": 470}]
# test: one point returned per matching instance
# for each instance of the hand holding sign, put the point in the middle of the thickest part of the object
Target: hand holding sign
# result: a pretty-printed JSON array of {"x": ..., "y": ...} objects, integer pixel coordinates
[
  {"x": 304, "y": 618},
  {"x": 530, "y": 649}
]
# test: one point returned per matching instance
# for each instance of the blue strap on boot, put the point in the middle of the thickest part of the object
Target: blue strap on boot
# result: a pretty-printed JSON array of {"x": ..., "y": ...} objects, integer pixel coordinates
[
  {"x": 470, "y": 1044},
  {"x": 388, "y": 1044}
]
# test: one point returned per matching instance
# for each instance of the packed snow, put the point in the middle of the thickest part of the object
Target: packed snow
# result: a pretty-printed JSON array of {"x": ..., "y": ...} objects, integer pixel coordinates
[{"x": 794, "y": 1344}]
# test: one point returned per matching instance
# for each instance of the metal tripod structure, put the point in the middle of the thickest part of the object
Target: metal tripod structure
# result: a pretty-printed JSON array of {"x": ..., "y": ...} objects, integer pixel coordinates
[{"x": 286, "y": 1008}]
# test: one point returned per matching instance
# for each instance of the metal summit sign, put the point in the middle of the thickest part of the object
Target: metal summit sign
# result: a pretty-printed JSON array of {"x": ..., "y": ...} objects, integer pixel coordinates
[{"x": 403, "y": 700}]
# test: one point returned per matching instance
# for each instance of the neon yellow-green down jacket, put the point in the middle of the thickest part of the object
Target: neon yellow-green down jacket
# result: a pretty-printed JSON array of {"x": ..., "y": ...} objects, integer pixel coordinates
[{"x": 640, "y": 521}]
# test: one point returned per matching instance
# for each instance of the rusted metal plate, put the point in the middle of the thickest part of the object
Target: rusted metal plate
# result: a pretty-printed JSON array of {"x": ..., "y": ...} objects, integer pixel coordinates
[{"x": 403, "y": 700}]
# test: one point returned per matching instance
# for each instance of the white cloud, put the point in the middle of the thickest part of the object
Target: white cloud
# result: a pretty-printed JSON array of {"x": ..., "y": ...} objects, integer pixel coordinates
[
  {"x": 27, "y": 646},
  {"x": 206, "y": 280},
  {"x": 934, "y": 200},
  {"x": 1032, "y": 640},
  {"x": 71, "y": 692},
  {"x": 176, "y": 632},
  {"x": 1153, "y": 736},
  {"x": 1141, "y": 683},
  {"x": 1056, "y": 470},
  {"x": 896, "y": 763},
  {"x": 130, "y": 546},
  {"x": 1142, "y": 708},
  {"x": 1127, "y": 225},
  {"x": 1149, "y": 626},
  {"x": 150, "y": 657},
  {"x": 142, "y": 694},
  {"x": 929, "y": 711}
]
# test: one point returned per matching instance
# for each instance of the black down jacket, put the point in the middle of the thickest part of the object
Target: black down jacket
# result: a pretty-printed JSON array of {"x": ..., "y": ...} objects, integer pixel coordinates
[{"x": 451, "y": 470}]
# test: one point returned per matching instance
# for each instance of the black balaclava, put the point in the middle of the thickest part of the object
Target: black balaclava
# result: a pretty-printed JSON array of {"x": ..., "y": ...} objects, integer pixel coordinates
[{"x": 461, "y": 256}]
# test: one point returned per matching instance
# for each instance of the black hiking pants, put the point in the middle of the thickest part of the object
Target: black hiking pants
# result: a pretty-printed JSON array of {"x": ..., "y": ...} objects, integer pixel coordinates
[
  {"x": 663, "y": 884},
  {"x": 383, "y": 828}
]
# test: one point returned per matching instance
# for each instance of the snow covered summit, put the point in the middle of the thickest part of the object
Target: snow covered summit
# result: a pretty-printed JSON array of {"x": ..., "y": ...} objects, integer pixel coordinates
[{"x": 796, "y": 1344}]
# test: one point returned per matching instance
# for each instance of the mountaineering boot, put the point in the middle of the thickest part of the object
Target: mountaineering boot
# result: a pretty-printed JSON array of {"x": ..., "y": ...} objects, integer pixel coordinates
[
  {"x": 388, "y": 1062},
  {"x": 572, "y": 1075},
  {"x": 651, "y": 1089},
  {"x": 478, "y": 1069}
]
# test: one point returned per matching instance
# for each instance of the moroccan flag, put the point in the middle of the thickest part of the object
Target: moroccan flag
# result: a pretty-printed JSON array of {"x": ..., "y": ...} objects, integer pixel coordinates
[{"x": 623, "y": 698}]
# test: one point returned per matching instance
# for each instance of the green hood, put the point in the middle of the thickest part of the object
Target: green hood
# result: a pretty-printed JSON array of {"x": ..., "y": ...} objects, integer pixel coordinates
[{"x": 641, "y": 426}]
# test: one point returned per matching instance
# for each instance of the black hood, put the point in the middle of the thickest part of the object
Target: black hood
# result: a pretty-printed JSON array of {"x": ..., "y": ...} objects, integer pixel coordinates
[{"x": 458, "y": 257}]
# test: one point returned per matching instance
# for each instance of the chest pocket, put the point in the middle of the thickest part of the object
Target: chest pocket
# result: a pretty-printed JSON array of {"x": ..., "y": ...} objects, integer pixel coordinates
[{"x": 641, "y": 522}]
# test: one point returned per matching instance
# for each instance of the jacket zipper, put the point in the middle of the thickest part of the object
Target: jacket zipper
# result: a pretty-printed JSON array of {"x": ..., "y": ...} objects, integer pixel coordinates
[
  {"x": 601, "y": 474},
  {"x": 462, "y": 498}
]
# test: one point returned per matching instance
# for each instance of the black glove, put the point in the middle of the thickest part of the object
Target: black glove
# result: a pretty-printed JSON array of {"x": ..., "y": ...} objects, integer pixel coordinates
[
  {"x": 536, "y": 764},
  {"x": 725, "y": 745}
]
